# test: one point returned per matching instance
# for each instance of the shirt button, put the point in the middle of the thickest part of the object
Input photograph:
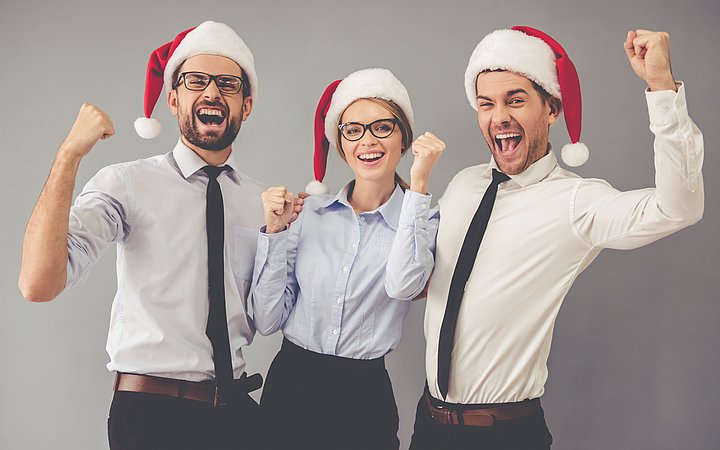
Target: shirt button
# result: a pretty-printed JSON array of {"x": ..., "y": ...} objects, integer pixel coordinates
[
  {"x": 423, "y": 205},
  {"x": 345, "y": 269},
  {"x": 362, "y": 218},
  {"x": 421, "y": 220},
  {"x": 665, "y": 107},
  {"x": 354, "y": 246},
  {"x": 338, "y": 300},
  {"x": 335, "y": 331}
]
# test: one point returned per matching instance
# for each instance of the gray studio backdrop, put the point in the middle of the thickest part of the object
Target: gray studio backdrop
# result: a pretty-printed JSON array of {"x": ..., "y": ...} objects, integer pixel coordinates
[{"x": 635, "y": 362}]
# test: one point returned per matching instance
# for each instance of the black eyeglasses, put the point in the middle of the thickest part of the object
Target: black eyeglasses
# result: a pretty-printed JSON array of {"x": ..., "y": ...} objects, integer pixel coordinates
[
  {"x": 354, "y": 131},
  {"x": 199, "y": 81}
]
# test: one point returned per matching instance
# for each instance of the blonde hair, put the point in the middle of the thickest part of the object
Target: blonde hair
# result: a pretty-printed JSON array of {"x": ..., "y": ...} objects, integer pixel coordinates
[{"x": 405, "y": 130}]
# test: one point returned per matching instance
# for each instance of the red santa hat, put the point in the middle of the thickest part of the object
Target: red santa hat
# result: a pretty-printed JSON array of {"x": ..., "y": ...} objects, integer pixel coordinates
[
  {"x": 537, "y": 56},
  {"x": 208, "y": 38},
  {"x": 366, "y": 83}
]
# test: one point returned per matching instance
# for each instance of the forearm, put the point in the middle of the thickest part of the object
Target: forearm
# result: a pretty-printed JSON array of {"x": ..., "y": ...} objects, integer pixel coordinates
[
  {"x": 411, "y": 261},
  {"x": 272, "y": 297},
  {"x": 44, "y": 256},
  {"x": 679, "y": 152}
]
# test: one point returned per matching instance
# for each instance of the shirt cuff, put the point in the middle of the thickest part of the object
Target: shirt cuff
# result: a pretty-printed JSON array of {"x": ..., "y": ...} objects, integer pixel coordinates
[
  {"x": 665, "y": 107},
  {"x": 415, "y": 209},
  {"x": 272, "y": 247}
]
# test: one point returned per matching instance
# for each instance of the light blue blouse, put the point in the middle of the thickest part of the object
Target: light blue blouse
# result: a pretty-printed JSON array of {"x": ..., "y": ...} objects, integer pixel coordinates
[{"x": 324, "y": 280}]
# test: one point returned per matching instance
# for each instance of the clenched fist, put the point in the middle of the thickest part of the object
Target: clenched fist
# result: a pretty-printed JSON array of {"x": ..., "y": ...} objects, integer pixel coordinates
[
  {"x": 649, "y": 56},
  {"x": 91, "y": 125},
  {"x": 281, "y": 208},
  {"x": 427, "y": 150}
]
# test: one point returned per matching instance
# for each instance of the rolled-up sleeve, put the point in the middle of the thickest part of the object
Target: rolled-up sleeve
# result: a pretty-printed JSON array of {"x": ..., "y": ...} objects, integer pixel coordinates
[{"x": 98, "y": 218}]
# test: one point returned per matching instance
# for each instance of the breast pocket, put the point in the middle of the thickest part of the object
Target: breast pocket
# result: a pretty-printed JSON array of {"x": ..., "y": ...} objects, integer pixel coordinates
[{"x": 244, "y": 254}]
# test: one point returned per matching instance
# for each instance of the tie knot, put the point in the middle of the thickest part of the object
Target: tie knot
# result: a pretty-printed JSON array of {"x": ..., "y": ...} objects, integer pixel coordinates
[
  {"x": 213, "y": 171},
  {"x": 498, "y": 177}
]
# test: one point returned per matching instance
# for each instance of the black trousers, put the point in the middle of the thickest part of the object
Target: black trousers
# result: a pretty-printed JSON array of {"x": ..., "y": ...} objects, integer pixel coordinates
[
  {"x": 319, "y": 402},
  {"x": 140, "y": 421},
  {"x": 527, "y": 433}
]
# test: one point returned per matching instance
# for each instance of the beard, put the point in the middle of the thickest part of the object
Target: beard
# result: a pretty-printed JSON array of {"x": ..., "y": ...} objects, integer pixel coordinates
[{"x": 212, "y": 141}]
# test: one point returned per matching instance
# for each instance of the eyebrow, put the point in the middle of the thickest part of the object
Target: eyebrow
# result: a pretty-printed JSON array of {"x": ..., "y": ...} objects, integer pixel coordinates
[{"x": 508, "y": 94}]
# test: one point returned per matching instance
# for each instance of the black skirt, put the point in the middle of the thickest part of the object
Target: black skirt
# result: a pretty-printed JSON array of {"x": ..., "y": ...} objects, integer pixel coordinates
[{"x": 317, "y": 401}]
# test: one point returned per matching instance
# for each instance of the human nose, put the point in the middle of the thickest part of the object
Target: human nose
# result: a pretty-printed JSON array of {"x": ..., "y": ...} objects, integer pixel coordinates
[
  {"x": 368, "y": 138},
  {"x": 211, "y": 91},
  {"x": 501, "y": 117}
]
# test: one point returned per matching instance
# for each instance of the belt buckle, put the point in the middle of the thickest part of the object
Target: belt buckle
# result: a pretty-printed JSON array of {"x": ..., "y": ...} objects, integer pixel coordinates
[
  {"x": 217, "y": 401},
  {"x": 441, "y": 414}
]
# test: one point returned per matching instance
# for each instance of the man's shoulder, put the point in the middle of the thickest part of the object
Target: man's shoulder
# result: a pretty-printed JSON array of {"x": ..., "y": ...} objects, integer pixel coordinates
[
  {"x": 137, "y": 164},
  {"x": 469, "y": 173}
]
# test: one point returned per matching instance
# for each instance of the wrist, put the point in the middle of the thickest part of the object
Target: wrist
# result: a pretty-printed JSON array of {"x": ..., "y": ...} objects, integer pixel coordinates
[
  {"x": 419, "y": 185},
  {"x": 272, "y": 229},
  {"x": 71, "y": 151},
  {"x": 665, "y": 84}
]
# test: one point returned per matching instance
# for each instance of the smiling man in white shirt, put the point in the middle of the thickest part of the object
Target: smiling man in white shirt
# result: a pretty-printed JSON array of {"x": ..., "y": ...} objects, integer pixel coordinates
[
  {"x": 501, "y": 273},
  {"x": 184, "y": 257}
]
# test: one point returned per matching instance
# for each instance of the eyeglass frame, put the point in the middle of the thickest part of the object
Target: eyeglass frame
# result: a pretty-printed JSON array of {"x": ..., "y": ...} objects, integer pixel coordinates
[
  {"x": 395, "y": 121},
  {"x": 213, "y": 78}
]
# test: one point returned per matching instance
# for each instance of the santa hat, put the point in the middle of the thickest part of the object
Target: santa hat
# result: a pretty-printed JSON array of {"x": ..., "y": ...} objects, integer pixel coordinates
[
  {"x": 366, "y": 83},
  {"x": 537, "y": 56},
  {"x": 208, "y": 38}
]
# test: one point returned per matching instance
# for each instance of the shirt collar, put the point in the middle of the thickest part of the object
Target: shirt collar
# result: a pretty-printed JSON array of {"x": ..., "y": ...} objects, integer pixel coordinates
[
  {"x": 533, "y": 174},
  {"x": 189, "y": 162},
  {"x": 390, "y": 210}
]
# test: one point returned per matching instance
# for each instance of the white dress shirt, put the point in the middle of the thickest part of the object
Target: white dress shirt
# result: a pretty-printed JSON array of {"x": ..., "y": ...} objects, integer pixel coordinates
[
  {"x": 154, "y": 209},
  {"x": 546, "y": 227}
]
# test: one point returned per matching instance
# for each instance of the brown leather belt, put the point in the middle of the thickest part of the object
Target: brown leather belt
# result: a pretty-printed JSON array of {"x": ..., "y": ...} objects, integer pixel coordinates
[
  {"x": 199, "y": 391},
  {"x": 481, "y": 417}
]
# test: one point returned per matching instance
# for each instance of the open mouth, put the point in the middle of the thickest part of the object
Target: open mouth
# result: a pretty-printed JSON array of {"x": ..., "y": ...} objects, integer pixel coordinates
[
  {"x": 370, "y": 157},
  {"x": 506, "y": 143},
  {"x": 211, "y": 117}
]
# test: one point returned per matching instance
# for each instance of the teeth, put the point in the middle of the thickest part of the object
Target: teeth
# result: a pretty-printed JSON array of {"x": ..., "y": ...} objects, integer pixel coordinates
[
  {"x": 506, "y": 135},
  {"x": 210, "y": 112},
  {"x": 370, "y": 155}
]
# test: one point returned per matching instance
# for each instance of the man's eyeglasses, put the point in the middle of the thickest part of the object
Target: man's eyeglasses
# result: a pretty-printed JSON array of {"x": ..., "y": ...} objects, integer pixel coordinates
[
  {"x": 199, "y": 81},
  {"x": 354, "y": 131}
]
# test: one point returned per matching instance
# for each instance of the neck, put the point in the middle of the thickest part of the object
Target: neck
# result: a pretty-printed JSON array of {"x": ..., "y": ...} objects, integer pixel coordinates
[
  {"x": 211, "y": 157},
  {"x": 370, "y": 195}
]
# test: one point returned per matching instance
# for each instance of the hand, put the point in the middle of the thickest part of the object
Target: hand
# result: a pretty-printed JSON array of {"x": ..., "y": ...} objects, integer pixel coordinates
[
  {"x": 427, "y": 150},
  {"x": 279, "y": 208},
  {"x": 298, "y": 203},
  {"x": 649, "y": 56},
  {"x": 91, "y": 125}
]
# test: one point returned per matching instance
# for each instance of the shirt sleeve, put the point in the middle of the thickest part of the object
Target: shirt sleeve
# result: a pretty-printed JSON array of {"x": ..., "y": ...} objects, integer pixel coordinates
[
  {"x": 411, "y": 259},
  {"x": 275, "y": 287},
  {"x": 607, "y": 218},
  {"x": 98, "y": 217}
]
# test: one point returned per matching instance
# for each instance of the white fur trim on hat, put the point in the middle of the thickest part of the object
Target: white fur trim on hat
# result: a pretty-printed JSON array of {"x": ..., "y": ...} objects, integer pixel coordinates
[
  {"x": 366, "y": 83},
  {"x": 213, "y": 38},
  {"x": 316, "y": 187},
  {"x": 147, "y": 128},
  {"x": 517, "y": 52},
  {"x": 575, "y": 155}
]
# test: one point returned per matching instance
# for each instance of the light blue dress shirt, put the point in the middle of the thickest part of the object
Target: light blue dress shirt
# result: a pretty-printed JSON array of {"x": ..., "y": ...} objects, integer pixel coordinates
[{"x": 324, "y": 280}]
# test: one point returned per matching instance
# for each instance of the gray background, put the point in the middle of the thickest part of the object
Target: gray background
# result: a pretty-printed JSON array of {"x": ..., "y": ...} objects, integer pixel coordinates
[{"x": 635, "y": 361}]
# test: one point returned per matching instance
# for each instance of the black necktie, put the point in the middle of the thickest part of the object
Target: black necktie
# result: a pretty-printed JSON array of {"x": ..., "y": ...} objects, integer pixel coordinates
[
  {"x": 464, "y": 266},
  {"x": 217, "y": 318}
]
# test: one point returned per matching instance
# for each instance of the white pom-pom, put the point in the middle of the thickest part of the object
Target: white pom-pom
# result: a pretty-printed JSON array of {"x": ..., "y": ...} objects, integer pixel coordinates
[
  {"x": 316, "y": 187},
  {"x": 575, "y": 155},
  {"x": 147, "y": 128}
]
